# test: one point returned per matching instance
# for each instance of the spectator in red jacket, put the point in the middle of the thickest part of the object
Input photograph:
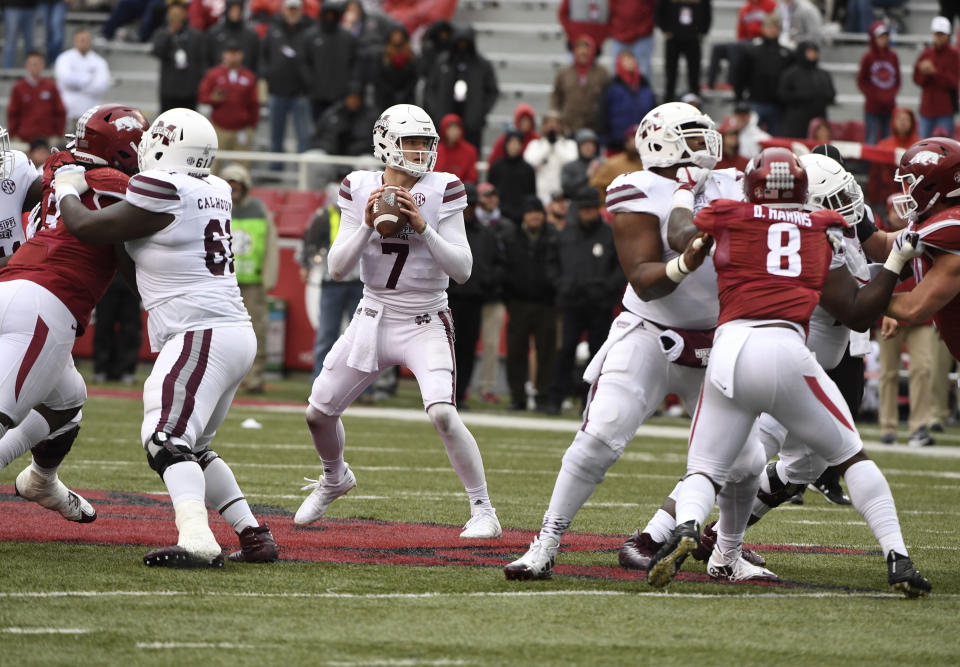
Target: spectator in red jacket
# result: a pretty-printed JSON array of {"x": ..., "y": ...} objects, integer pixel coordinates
[
  {"x": 631, "y": 29},
  {"x": 524, "y": 120},
  {"x": 585, "y": 17},
  {"x": 879, "y": 81},
  {"x": 730, "y": 131},
  {"x": 35, "y": 110},
  {"x": 903, "y": 134},
  {"x": 205, "y": 13},
  {"x": 231, "y": 89},
  {"x": 454, "y": 153},
  {"x": 936, "y": 72}
]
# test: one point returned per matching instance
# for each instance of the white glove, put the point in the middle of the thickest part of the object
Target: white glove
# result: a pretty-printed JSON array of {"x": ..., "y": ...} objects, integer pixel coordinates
[
  {"x": 906, "y": 246},
  {"x": 692, "y": 178},
  {"x": 70, "y": 179}
]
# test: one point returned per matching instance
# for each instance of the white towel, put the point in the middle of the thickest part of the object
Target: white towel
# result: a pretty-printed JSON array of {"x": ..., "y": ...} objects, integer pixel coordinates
[
  {"x": 624, "y": 324},
  {"x": 859, "y": 343},
  {"x": 673, "y": 352},
  {"x": 363, "y": 354}
]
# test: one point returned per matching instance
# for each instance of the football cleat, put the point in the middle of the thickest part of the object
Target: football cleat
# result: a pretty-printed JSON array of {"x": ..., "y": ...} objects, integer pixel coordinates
[
  {"x": 256, "y": 546},
  {"x": 708, "y": 540},
  {"x": 829, "y": 485},
  {"x": 636, "y": 552},
  {"x": 537, "y": 563},
  {"x": 779, "y": 491},
  {"x": 50, "y": 492},
  {"x": 921, "y": 438},
  {"x": 177, "y": 556},
  {"x": 666, "y": 562},
  {"x": 739, "y": 570},
  {"x": 482, "y": 526},
  {"x": 321, "y": 495},
  {"x": 903, "y": 576}
]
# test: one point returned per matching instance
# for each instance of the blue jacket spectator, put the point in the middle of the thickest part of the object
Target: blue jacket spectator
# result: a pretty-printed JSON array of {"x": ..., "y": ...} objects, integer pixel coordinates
[{"x": 625, "y": 101}]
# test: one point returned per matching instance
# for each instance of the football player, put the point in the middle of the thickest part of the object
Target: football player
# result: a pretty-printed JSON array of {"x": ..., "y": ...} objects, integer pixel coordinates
[
  {"x": 48, "y": 290},
  {"x": 929, "y": 175},
  {"x": 403, "y": 317},
  {"x": 20, "y": 189},
  {"x": 660, "y": 343},
  {"x": 175, "y": 224},
  {"x": 761, "y": 364}
]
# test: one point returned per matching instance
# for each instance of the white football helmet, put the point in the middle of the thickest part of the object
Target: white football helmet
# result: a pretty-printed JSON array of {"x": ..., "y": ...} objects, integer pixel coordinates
[
  {"x": 664, "y": 134},
  {"x": 6, "y": 155},
  {"x": 395, "y": 124},
  {"x": 179, "y": 140},
  {"x": 830, "y": 186}
]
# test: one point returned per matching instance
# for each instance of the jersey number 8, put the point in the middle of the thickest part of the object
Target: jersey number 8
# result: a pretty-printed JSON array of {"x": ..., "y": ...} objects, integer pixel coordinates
[{"x": 783, "y": 240}]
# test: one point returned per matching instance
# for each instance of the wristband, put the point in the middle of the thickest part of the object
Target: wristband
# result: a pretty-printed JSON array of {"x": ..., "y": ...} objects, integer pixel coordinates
[
  {"x": 894, "y": 263},
  {"x": 65, "y": 190},
  {"x": 677, "y": 269},
  {"x": 683, "y": 198}
]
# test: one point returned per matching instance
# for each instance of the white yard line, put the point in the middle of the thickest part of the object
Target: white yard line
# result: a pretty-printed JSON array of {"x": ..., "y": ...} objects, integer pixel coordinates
[
  {"x": 177, "y": 645},
  {"x": 46, "y": 631}
]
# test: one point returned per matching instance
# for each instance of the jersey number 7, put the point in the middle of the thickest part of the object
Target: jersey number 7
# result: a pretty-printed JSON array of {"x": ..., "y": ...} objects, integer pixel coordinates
[{"x": 401, "y": 250}]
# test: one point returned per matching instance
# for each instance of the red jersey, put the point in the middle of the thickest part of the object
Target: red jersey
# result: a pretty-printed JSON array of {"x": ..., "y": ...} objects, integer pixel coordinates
[
  {"x": 941, "y": 234},
  {"x": 77, "y": 273},
  {"x": 771, "y": 263}
]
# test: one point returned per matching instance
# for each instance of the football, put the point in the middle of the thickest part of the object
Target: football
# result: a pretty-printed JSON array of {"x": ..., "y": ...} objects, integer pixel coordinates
[{"x": 388, "y": 219}]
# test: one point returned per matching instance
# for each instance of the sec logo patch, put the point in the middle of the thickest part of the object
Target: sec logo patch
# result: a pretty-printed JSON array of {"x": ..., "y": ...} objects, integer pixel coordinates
[
  {"x": 419, "y": 199},
  {"x": 8, "y": 186}
]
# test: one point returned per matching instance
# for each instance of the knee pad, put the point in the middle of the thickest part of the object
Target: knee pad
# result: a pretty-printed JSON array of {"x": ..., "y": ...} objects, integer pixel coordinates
[
  {"x": 162, "y": 453},
  {"x": 206, "y": 457},
  {"x": 444, "y": 417},
  {"x": 588, "y": 458},
  {"x": 50, "y": 452}
]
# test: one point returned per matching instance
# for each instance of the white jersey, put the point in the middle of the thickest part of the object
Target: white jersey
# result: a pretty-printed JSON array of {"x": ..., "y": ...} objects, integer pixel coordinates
[
  {"x": 694, "y": 304},
  {"x": 399, "y": 271},
  {"x": 185, "y": 271},
  {"x": 13, "y": 191}
]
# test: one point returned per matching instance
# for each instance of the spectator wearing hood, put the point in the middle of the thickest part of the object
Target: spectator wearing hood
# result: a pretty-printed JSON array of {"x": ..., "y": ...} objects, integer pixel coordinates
[
  {"x": 512, "y": 177},
  {"x": 330, "y": 60},
  {"x": 394, "y": 73},
  {"x": 548, "y": 153},
  {"x": 232, "y": 27},
  {"x": 936, "y": 72},
  {"x": 454, "y": 153},
  {"x": 730, "y": 134},
  {"x": 624, "y": 102},
  {"x": 903, "y": 134},
  {"x": 525, "y": 120},
  {"x": 577, "y": 88},
  {"x": 684, "y": 23},
  {"x": 631, "y": 29},
  {"x": 879, "y": 80},
  {"x": 748, "y": 129},
  {"x": 819, "y": 130},
  {"x": 231, "y": 89},
  {"x": 282, "y": 65},
  {"x": 529, "y": 291},
  {"x": 758, "y": 75},
  {"x": 806, "y": 91},
  {"x": 370, "y": 30},
  {"x": 576, "y": 174},
  {"x": 437, "y": 41},
  {"x": 621, "y": 163},
  {"x": 344, "y": 127},
  {"x": 463, "y": 82},
  {"x": 467, "y": 301},
  {"x": 585, "y": 17},
  {"x": 590, "y": 283},
  {"x": 180, "y": 50}
]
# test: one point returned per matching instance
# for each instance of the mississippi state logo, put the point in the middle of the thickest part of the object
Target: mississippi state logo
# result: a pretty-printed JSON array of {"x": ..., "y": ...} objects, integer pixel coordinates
[
  {"x": 419, "y": 199},
  {"x": 8, "y": 186}
]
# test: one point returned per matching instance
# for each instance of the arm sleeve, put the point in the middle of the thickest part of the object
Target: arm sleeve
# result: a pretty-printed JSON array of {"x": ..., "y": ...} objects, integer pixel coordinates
[
  {"x": 352, "y": 236},
  {"x": 866, "y": 227},
  {"x": 450, "y": 248},
  {"x": 151, "y": 192}
]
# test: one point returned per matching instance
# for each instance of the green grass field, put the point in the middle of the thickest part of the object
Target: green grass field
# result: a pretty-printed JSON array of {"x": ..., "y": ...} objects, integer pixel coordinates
[{"x": 68, "y": 601}]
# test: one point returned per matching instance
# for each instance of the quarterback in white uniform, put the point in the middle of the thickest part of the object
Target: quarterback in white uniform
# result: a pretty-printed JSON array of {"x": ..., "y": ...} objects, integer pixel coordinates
[
  {"x": 403, "y": 317},
  {"x": 661, "y": 341},
  {"x": 175, "y": 223}
]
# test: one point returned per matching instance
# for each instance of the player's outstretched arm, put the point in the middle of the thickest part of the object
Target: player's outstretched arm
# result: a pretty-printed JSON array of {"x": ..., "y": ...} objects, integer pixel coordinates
[
  {"x": 354, "y": 234},
  {"x": 939, "y": 286},
  {"x": 859, "y": 308}
]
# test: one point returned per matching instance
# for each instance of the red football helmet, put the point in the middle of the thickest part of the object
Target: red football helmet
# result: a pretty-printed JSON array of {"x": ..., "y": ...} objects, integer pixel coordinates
[
  {"x": 776, "y": 178},
  {"x": 929, "y": 170},
  {"x": 108, "y": 135}
]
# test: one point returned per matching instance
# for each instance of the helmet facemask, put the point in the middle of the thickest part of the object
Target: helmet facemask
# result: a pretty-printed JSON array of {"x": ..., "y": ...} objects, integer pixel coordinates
[
  {"x": 904, "y": 204},
  {"x": 427, "y": 158},
  {"x": 846, "y": 199},
  {"x": 6, "y": 155},
  {"x": 711, "y": 140}
]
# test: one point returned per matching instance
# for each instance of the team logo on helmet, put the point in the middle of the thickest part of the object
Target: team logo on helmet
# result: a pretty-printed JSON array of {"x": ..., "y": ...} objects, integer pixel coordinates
[
  {"x": 925, "y": 157},
  {"x": 167, "y": 133},
  {"x": 126, "y": 123}
]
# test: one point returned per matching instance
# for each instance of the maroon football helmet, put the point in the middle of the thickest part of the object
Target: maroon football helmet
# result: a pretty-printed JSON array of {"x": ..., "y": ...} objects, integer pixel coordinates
[
  {"x": 108, "y": 135},
  {"x": 775, "y": 178},
  {"x": 929, "y": 170}
]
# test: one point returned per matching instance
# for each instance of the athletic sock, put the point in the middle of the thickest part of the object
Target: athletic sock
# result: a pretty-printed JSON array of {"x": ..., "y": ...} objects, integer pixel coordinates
[
  {"x": 17, "y": 441},
  {"x": 871, "y": 496},
  {"x": 184, "y": 481},
  {"x": 662, "y": 523},
  {"x": 736, "y": 502},
  {"x": 462, "y": 451},
  {"x": 224, "y": 494},
  {"x": 479, "y": 500},
  {"x": 328, "y": 439}
]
